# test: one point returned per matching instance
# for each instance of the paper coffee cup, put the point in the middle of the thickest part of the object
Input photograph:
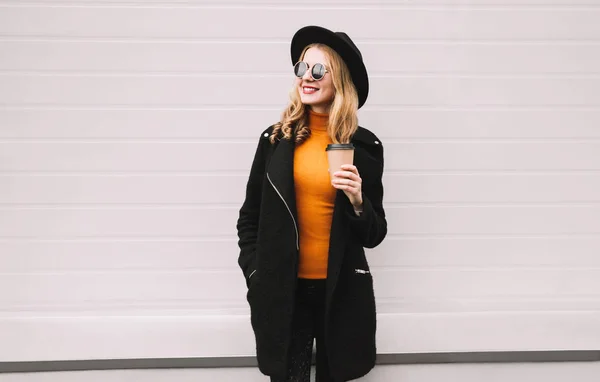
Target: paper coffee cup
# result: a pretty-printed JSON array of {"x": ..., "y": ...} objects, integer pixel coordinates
[{"x": 339, "y": 154}]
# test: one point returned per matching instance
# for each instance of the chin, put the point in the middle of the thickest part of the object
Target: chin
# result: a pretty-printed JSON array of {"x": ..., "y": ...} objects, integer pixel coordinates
[{"x": 309, "y": 101}]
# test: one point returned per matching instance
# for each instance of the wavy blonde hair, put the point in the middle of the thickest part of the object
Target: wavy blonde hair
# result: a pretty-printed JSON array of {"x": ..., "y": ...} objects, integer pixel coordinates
[{"x": 343, "y": 113}]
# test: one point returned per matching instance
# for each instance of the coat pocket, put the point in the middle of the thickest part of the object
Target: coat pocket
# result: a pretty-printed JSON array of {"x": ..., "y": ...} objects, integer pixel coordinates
[
  {"x": 251, "y": 274},
  {"x": 252, "y": 278}
]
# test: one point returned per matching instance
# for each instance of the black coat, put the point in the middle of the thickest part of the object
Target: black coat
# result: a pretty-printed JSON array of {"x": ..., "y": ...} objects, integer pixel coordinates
[{"x": 268, "y": 239}]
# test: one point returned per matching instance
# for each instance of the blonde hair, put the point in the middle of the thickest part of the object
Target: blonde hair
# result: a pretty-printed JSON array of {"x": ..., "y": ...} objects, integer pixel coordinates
[{"x": 343, "y": 118}]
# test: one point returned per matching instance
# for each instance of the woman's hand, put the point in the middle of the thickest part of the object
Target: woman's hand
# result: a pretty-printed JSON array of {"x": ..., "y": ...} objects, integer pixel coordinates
[{"x": 349, "y": 181}]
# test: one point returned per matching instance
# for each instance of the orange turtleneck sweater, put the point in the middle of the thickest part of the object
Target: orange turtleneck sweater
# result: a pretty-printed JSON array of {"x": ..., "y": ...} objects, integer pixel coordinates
[{"x": 315, "y": 197}]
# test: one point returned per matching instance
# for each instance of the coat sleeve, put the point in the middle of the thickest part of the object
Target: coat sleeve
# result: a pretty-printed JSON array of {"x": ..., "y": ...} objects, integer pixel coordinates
[
  {"x": 371, "y": 225},
  {"x": 247, "y": 223}
]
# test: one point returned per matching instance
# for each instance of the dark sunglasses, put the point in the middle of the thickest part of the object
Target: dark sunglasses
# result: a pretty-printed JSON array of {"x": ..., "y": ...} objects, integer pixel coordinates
[{"x": 317, "y": 72}]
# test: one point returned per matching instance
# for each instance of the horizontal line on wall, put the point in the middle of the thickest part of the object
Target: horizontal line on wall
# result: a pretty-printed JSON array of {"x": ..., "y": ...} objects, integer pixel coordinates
[
  {"x": 194, "y": 140},
  {"x": 279, "y": 108},
  {"x": 122, "y": 239},
  {"x": 234, "y": 270},
  {"x": 134, "y": 310},
  {"x": 271, "y": 5},
  {"x": 563, "y": 306},
  {"x": 247, "y": 3},
  {"x": 504, "y": 268},
  {"x": 595, "y": 203},
  {"x": 141, "y": 73},
  {"x": 487, "y": 139},
  {"x": 121, "y": 206},
  {"x": 225, "y": 362},
  {"x": 490, "y": 357},
  {"x": 496, "y": 298},
  {"x": 390, "y": 172},
  {"x": 253, "y": 141},
  {"x": 127, "y": 173},
  {"x": 153, "y": 140},
  {"x": 233, "y": 239},
  {"x": 549, "y": 236},
  {"x": 219, "y": 108},
  {"x": 236, "y": 206},
  {"x": 286, "y": 41},
  {"x": 236, "y": 307},
  {"x": 242, "y": 314},
  {"x": 60, "y": 308},
  {"x": 147, "y": 107},
  {"x": 285, "y": 74},
  {"x": 114, "y": 271}
]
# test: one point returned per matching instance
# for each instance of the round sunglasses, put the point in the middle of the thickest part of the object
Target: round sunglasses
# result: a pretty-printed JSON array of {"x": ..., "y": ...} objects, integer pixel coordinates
[{"x": 317, "y": 71}]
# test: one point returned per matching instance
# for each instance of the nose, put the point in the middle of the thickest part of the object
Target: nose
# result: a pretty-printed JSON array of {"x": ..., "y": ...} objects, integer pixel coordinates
[{"x": 307, "y": 76}]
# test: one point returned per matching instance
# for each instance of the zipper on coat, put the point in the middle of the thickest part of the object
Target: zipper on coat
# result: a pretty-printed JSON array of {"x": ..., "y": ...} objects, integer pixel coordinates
[
  {"x": 289, "y": 210},
  {"x": 251, "y": 274},
  {"x": 361, "y": 271}
]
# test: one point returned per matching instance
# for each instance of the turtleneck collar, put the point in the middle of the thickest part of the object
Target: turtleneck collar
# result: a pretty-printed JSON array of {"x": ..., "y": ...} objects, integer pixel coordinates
[{"x": 317, "y": 121}]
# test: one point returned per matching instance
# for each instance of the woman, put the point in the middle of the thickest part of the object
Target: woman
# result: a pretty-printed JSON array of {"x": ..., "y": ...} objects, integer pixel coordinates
[{"x": 302, "y": 234}]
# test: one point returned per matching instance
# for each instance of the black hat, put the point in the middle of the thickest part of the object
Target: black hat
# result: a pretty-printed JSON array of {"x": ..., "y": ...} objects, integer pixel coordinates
[{"x": 343, "y": 45}]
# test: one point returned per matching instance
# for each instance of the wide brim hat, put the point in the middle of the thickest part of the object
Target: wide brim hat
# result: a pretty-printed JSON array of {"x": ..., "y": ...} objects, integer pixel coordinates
[{"x": 343, "y": 45}]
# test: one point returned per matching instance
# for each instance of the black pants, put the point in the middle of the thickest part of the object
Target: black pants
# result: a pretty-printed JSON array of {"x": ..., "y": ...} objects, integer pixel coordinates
[{"x": 308, "y": 325}]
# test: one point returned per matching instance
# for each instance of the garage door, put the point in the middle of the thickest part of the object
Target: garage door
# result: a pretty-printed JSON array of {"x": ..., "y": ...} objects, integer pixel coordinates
[{"x": 127, "y": 130}]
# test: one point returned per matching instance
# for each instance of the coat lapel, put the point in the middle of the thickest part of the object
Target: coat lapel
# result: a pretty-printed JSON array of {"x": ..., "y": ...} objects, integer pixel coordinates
[{"x": 281, "y": 173}]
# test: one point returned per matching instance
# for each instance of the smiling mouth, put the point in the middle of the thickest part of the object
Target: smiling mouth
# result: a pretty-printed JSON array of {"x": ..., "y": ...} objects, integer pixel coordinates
[{"x": 309, "y": 90}]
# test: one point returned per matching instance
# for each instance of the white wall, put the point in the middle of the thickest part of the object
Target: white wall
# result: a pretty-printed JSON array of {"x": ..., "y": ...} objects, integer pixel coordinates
[{"x": 127, "y": 131}]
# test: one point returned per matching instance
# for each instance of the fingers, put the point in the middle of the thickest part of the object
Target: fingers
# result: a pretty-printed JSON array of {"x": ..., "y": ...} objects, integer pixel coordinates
[
  {"x": 349, "y": 181},
  {"x": 346, "y": 184},
  {"x": 350, "y": 167},
  {"x": 349, "y": 175}
]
